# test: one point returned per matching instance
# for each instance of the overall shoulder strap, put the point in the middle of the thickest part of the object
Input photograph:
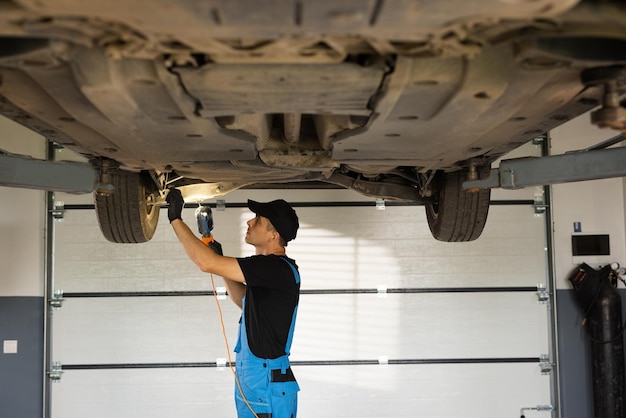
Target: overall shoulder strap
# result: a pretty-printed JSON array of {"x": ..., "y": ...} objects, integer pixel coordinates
[{"x": 296, "y": 274}]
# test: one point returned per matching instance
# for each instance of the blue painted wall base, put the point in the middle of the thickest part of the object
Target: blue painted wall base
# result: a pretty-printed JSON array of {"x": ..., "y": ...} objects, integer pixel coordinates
[{"x": 22, "y": 373}]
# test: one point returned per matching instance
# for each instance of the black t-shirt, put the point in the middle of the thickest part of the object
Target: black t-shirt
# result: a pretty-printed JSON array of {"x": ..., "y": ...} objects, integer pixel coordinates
[{"x": 272, "y": 295}]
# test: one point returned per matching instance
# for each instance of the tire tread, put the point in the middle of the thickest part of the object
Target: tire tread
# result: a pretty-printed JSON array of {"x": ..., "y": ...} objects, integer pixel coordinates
[
  {"x": 124, "y": 216},
  {"x": 459, "y": 215}
]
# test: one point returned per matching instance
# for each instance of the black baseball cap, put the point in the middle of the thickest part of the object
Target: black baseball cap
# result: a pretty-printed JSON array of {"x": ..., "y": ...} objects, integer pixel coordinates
[{"x": 280, "y": 214}]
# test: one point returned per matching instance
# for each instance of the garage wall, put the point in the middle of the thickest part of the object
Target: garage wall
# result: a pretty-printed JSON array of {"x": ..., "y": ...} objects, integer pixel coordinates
[
  {"x": 599, "y": 207},
  {"x": 22, "y": 233},
  {"x": 451, "y": 348},
  {"x": 22, "y": 220}
]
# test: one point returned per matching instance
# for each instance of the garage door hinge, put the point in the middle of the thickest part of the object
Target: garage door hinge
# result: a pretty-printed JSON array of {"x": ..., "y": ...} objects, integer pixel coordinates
[
  {"x": 221, "y": 363},
  {"x": 381, "y": 291},
  {"x": 56, "y": 301},
  {"x": 542, "y": 293},
  {"x": 536, "y": 408},
  {"x": 57, "y": 210},
  {"x": 545, "y": 364},
  {"x": 55, "y": 373},
  {"x": 539, "y": 140},
  {"x": 540, "y": 204}
]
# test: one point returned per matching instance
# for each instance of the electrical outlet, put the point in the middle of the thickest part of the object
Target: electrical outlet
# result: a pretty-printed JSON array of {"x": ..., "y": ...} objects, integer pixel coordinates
[{"x": 9, "y": 347}]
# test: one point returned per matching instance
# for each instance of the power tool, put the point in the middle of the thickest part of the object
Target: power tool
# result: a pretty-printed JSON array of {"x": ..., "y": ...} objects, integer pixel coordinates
[{"x": 204, "y": 216}]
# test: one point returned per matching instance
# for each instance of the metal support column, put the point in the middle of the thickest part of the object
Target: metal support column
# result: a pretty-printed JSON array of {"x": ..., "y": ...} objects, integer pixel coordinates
[
  {"x": 550, "y": 292},
  {"x": 48, "y": 289}
]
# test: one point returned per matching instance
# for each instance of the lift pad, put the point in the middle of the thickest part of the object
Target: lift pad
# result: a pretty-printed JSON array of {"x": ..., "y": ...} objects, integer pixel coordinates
[
  {"x": 537, "y": 171},
  {"x": 62, "y": 176}
]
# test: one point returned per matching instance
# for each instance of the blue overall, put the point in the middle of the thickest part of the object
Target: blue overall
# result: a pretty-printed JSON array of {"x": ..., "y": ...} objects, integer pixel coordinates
[{"x": 268, "y": 384}]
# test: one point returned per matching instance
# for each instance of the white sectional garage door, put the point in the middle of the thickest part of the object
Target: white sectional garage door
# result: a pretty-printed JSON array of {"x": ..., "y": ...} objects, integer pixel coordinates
[{"x": 391, "y": 322}]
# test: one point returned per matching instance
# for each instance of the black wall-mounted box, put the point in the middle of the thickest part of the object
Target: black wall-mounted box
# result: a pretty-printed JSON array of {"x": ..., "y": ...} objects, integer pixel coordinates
[{"x": 591, "y": 245}]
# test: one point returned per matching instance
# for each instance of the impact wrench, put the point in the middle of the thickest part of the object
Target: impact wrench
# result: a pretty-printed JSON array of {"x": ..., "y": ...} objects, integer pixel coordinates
[{"x": 204, "y": 216}]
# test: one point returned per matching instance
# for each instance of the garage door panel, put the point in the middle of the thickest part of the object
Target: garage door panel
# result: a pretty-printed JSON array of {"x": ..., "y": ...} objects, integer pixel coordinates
[
  {"x": 452, "y": 390},
  {"x": 394, "y": 255},
  {"x": 494, "y": 247},
  {"x": 142, "y": 330},
  {"x": 408, "y": 222},
  {"x": 86, "y": 262},
  {"x": 132, "y": 393},
  {"x": 515, "y": 271},
  {"x": 138, "y": 275},
  {"x": 330, "y": 254},
  {"x": 330, "y": 327},
  {"x": 365, "y": 327},
  {"x": 340, "y": 391}
]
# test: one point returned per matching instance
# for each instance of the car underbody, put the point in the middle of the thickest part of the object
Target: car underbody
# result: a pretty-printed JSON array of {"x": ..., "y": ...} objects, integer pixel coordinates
[{"x": 396, "y": 99}]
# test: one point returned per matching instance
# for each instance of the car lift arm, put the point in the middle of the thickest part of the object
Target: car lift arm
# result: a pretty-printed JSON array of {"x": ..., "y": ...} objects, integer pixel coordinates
[
  {"x": 63, "y": 176},
  {"x": 589, "y": 164}
]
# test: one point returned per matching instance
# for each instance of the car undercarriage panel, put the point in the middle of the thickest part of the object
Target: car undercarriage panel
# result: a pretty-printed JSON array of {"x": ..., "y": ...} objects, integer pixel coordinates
[{"x": 286, "y": 91}]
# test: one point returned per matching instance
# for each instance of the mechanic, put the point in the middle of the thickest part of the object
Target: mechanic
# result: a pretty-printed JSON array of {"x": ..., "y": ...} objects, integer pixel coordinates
[{"x": 266, "y": 287}]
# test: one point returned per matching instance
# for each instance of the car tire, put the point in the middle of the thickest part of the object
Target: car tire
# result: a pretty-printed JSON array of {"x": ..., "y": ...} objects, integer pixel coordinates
[
  {"x": 457, "y": 215},
  {"x": 127, "y": 215}
]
